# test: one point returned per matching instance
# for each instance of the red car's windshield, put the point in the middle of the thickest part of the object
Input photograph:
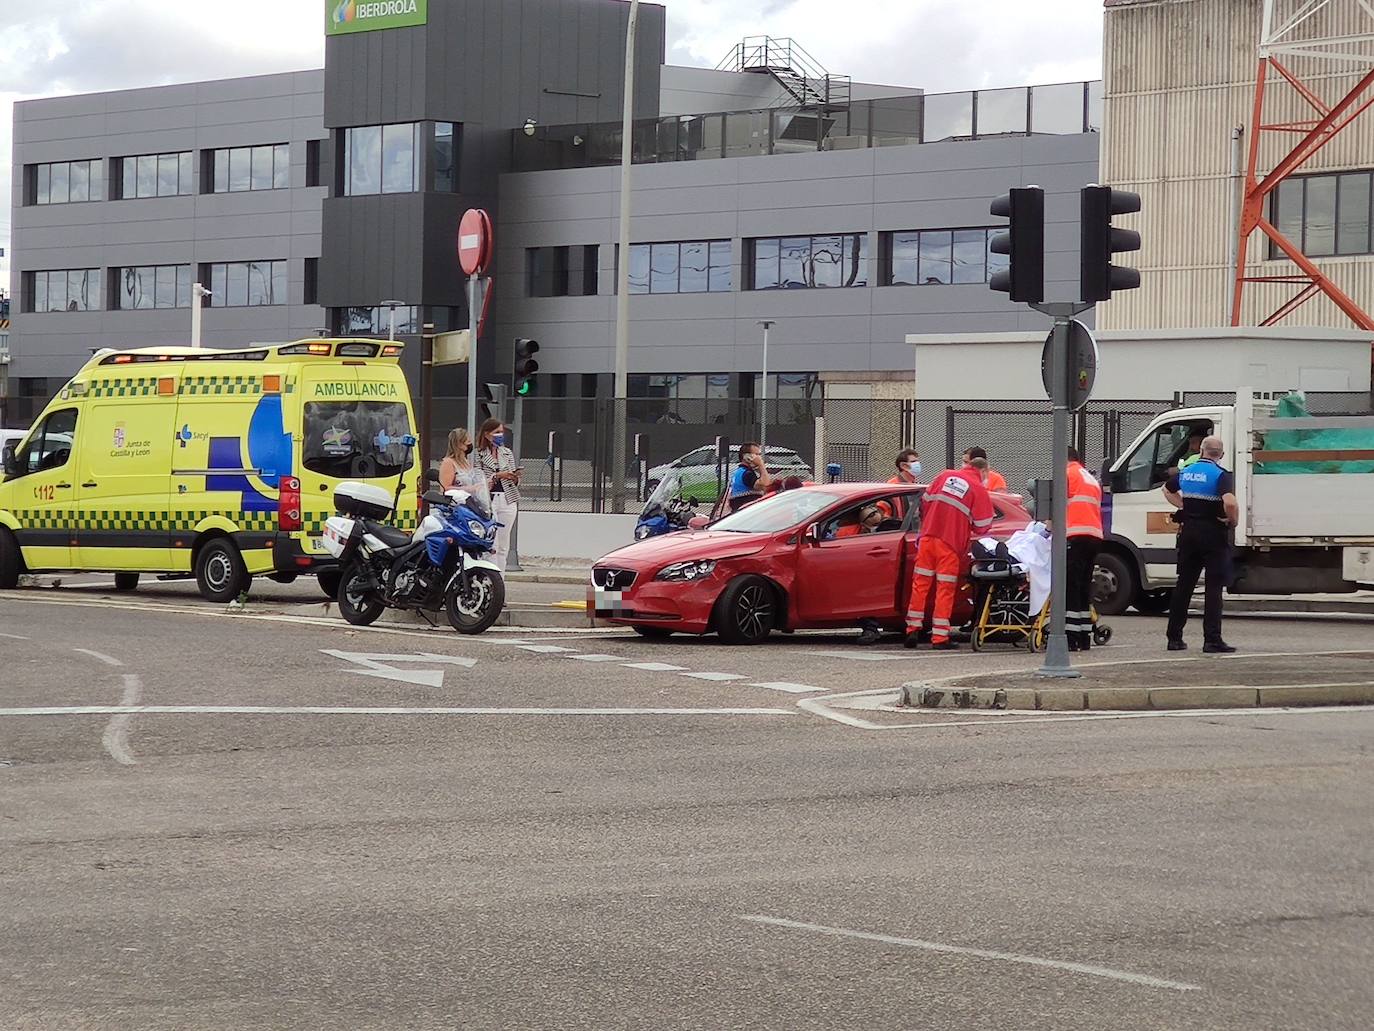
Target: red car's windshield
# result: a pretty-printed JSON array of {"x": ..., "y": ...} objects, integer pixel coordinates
[{"x": 780, "y": 512}]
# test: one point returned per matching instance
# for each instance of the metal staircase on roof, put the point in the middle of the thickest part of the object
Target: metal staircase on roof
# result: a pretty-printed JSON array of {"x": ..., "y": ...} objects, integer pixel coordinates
[{"x": 805, "y": 84}]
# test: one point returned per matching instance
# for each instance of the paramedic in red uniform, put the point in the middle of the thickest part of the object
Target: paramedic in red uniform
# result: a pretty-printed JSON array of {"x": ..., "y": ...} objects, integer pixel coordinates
[
  {"x": 954, "y": 507},
  {"x": 1085, "y": 540}
]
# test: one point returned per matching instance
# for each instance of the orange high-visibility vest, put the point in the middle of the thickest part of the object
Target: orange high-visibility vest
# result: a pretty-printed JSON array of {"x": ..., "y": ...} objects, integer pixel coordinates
[{"x": 1085, "y": 503}]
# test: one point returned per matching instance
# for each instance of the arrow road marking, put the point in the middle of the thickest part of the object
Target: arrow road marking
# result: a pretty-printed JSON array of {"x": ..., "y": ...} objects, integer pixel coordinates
[{"x": 380, "y": 666}]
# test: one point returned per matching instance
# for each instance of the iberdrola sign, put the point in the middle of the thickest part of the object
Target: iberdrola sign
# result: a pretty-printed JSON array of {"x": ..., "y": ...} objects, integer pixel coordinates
[{"x": 364, "y": 15}]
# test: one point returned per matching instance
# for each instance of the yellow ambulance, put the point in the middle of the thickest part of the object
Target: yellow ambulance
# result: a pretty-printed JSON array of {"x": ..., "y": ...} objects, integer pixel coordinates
[{"x": 215, "y": 464}]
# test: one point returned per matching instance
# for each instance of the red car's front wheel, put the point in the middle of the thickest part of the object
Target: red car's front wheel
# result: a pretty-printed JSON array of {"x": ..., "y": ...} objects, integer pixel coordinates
[{"x": 747, "y": 610}]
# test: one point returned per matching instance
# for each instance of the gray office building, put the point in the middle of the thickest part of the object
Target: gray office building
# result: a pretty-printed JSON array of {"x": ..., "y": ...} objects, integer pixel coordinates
[{"x": 850, "y": 214}]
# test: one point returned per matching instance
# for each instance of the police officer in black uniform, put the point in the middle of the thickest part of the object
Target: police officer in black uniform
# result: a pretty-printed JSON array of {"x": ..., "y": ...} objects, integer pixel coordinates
[{"x": 1205, "y": 495}]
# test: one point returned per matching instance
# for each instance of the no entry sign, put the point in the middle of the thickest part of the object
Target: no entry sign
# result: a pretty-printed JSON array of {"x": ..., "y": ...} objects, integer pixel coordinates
[{"x": 474, "y": 242}]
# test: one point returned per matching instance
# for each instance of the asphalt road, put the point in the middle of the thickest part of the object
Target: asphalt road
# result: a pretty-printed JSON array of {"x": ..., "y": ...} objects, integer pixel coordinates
[{"x": 522, "y": 831}]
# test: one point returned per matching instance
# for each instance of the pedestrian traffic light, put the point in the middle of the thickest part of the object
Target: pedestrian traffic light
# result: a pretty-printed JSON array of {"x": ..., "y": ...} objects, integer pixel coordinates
[
  {"x": 1024, "y": 243},
  {"x": 522, "y": 374},
  {"x": 492, "y": 403},
  {"x": 1098, "y": 277}
]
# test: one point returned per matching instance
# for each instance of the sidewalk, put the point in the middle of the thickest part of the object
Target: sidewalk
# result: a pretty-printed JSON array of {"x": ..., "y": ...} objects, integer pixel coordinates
[{"x": 1210, "y": 682}]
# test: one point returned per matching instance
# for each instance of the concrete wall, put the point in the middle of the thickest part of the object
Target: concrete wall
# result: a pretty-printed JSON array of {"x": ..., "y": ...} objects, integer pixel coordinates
[
  {"x": 267, "y": 224},
  {"x": 578, "y": 537},
  {"x": 932, "y": 186},
  {"x": 1148, "y": 364},
  {"x": 1179, "y": 76}
]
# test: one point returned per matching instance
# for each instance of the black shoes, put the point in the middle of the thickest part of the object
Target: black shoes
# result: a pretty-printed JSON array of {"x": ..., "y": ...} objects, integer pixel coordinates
[
  {"x": 913, "y": 640},
  {"x": 945, "y": 646},
  {"x": 1178, "y": 646},
  {"x": 1217, "y": 648},
  {"x": 870, "y": 635}
]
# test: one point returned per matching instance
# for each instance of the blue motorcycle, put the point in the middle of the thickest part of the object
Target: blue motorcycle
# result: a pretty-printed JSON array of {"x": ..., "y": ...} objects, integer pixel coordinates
[{"x": 666, "y": 510}]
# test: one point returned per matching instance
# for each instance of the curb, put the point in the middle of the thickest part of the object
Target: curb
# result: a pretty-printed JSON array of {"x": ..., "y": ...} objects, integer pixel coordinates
[
  {"x": 553, "y": 576},
  {"x": 947, "y": 695},
  {"x": 531, "y": 616}
]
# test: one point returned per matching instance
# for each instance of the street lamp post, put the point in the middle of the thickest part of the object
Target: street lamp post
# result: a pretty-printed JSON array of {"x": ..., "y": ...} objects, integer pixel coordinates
[
  {"x": 197, "y": 293},
  {"x": 767, "y": 324},
  {"x": 391, "y": 324},
  {"x": 622, "y": 306}
]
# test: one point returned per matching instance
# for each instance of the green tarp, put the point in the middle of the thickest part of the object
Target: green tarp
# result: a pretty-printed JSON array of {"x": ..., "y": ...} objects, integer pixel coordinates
[{"x": 1294, "y": 406}]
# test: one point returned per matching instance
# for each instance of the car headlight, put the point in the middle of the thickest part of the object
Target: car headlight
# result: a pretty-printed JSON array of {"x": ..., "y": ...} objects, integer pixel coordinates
[
  {"x": 693, "y": 570},
  {"x": 476, "y": 529}
]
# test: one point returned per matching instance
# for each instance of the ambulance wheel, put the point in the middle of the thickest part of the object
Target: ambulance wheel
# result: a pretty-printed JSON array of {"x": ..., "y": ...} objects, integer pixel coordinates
[
  {"x": 220, "y": 573},
  {"x": 1114, "y": 584},
  {"x": 10, "y": 561},
  {"x": 126, "y": 581},
  {"x": 329, "y": 582},
  {"x": 359, "y": 605}
]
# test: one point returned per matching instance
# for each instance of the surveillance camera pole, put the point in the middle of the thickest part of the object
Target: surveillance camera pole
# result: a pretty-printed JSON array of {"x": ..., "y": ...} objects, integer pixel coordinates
[
  {"x": 767, "y": 324},
  {"x": 197, "y": 293},
  {"x": 622, "y": 309}
]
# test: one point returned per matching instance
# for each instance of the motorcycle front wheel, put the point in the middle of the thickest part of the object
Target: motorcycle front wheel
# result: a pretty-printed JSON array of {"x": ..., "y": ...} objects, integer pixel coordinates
[
  {"x": 359, "y": 605},
  {"x": 472, "y": 610}
]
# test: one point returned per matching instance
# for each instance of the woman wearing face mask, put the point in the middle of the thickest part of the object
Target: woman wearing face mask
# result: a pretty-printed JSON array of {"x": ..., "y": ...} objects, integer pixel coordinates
[
  {"x": 497, "y": 462},
  {"x": 457, "y": 470}
]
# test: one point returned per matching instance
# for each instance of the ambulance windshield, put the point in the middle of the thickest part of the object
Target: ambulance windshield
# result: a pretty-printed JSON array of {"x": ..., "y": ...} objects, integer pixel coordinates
[{"x": 356, "y": 440}]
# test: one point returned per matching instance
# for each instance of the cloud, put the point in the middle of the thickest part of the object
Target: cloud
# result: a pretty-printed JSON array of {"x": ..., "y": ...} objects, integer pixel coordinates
[{"x": 79, "y": 46}]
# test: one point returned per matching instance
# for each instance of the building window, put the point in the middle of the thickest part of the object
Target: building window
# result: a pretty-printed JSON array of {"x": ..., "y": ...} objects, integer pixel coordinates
[
  {"x": 1324, "y": 215},
  {"x": 240, "y": 284},
  {"x": 937, "y": 257},
  {"x": 381, "y": 159},
  {"x": 155, "y": 175},
  {"x": 312, "y": 281},
  {"x": 562, "y": 271},
  {"x": 376, "y": 322},
  {"x": 445, "y": 155},
  {"x": 237, "y": 169},
  {"x": 152, "y": 286},
  {"x": 76, "y": 289},
  {"x": 803, "y": 262},
  {"x": 67, "y": 182},
  {"x": 312, "y": 163},
  {"x": 693, "y": 267}
]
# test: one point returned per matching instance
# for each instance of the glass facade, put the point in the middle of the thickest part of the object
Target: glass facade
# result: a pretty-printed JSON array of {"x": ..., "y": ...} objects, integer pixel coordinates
[
  {"x": 381, "y": 159},
  {"x": 1058, "y": 109},
  {"x": 934, "y": 257},
  {"x": 1324, "y": 215},
  {"x": 152, "y": 286},
  {"x": 562, "y": 271},
  {"x": 445, "y": 156},
  {"x": 246, "y": 284},
  {"x": 75, "y": 289},
  {"x": 691, "y": 267},
  {"x": 804, "y": 262},
  {"x": 156, "y": 175},
  {"x": 68, "y": 182},
  {"x": 377, "y": 321},
  {"x": 237, "y": 169}
]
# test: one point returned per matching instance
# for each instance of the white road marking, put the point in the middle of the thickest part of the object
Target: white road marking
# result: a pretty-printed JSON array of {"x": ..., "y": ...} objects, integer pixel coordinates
[
  {"x": 960, "y": 950},
  {"x": 655, "y": 667},
  {"x": 860, "y": 656},
  {"x": 15, "y": 637},
  {"x": 545, "y": 649},
  {"x": 782, "y": 685},
  {"x": 108, "y": 660},
  {"x": 372, "y": 710},
  {"x": 116, "y": 736},
  {"x": 593, "y": 657},
  {"x": 716, "y": 677},
  {"x": 380, "y": 666}
]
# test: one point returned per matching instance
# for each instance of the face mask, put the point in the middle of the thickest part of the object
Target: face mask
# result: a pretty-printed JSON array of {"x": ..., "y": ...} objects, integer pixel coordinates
[
  {"x": 498, "y": 439},
  {"x": 914, "y": 468},
  {"x": 467, "y": 449}
]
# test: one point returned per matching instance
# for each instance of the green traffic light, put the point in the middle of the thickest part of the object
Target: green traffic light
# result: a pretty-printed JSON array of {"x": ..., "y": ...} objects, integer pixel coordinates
[{"x": 524, "y": 388}]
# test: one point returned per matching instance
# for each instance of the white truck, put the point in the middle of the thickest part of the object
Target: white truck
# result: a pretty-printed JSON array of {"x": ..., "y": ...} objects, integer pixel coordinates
[{"x": 1299, "y": 532}]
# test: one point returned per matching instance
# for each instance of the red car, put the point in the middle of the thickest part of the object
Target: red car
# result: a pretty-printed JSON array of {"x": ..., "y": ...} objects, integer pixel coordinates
[{"x": 788, "y": 562}]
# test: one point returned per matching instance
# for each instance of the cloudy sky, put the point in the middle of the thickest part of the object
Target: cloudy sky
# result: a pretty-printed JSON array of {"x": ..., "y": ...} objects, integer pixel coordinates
[{"x": 80, "y": 46}]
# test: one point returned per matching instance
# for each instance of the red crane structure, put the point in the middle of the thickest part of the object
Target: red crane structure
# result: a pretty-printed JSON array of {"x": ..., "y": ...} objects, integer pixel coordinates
[{"x": 1286, "y": 32}]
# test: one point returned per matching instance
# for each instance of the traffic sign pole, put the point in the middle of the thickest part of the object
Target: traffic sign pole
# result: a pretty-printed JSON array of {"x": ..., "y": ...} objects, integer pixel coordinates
[
  {"x": 1057, "y": 648},
  {"x": 474, "y": 255},
  {"x": 472, "y": 360}
]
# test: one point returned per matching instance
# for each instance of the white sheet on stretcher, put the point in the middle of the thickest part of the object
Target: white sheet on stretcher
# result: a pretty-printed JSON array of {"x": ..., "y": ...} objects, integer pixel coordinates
[{"x": 1032, "y": 549}]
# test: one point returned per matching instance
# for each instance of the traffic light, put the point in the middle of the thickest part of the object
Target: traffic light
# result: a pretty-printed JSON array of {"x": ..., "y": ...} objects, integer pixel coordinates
[
  {"x": 1024, "y": 243},
  {"x": 1098, "y": 277},
  {"x": 492, "y": 403},
  {"x": 522, "y": 373}
]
